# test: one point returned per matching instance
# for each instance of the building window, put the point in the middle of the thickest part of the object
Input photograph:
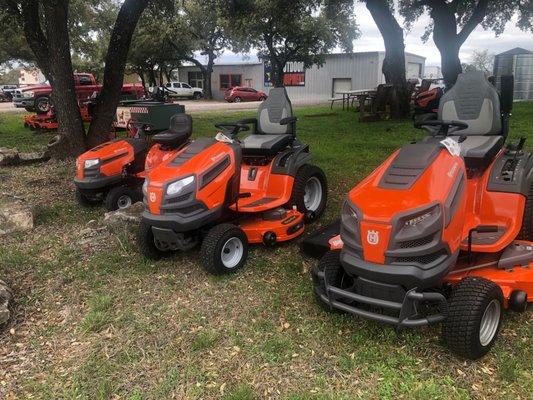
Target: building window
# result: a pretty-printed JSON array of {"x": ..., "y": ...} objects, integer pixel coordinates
[
  {"x": 196, "y": 79},
  {"x": 228, "y": 81},
  {"x": 248, "y": 83}
]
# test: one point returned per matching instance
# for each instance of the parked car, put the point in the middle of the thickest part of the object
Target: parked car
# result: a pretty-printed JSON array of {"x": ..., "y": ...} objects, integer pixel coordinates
[
  {"x": 36, "y": 98},
  {"x": 182, "y": 89},
  {"x": 239, "y": 93}
]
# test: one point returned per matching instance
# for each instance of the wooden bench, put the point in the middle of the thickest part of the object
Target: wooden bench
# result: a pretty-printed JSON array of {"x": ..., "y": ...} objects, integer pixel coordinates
[{"x": 333, "y": 100}]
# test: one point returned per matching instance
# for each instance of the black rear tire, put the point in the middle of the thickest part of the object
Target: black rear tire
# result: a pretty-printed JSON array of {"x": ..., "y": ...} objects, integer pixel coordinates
[
  {"x": 85, "y": 200},
  {"x": 468, "y": 304},
  {"x": 121, "y": 197},
  {"x": 42, "y": 105},
  {"x": 221, "y": 242},
  {"x": 305, "y": 174},
  {"x": 146, "y": 243},
  {"x": 330, "y": 265},
  {"x": 526, "y": 231},
  {"x": 197, "y": 96}
]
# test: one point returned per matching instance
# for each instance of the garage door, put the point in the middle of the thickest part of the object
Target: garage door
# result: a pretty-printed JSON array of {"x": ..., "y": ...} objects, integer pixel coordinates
[
  {"x": 414, "y": 70},
  {"x": 341, "y": 85}
]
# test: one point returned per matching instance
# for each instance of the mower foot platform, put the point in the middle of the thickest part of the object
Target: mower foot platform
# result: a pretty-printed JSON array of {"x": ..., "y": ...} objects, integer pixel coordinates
[{"x": 316, "y": 244}]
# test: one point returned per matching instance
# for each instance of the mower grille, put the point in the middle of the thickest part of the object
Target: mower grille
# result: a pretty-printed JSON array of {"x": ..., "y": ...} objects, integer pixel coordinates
[
  {"x": 423, "y": 259},
  {"x": 409, "y": 244}
]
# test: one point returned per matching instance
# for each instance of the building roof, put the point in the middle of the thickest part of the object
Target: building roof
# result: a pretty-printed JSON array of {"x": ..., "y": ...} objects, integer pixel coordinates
[
  {"x": 515, "y": 51},
  {"x": 367, "y": 52}
]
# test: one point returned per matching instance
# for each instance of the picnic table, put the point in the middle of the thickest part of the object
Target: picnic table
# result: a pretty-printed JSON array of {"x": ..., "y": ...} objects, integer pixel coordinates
[{"x": 361, "y": 95}]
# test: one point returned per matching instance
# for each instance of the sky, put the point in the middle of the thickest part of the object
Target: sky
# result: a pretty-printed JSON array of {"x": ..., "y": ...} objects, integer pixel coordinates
[{"x": 371, "y": 40}]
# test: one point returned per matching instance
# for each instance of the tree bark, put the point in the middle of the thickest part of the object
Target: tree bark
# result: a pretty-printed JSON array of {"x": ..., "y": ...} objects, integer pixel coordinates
[
  {"x": 447, "y": 40},
  {"x": 208, "y": 90},
  {"x": 394, "y": 62},
  {"x": 115, "y": 63},
  {"x": 277, "y": 66},
  {"x": 71, "y": 132}
]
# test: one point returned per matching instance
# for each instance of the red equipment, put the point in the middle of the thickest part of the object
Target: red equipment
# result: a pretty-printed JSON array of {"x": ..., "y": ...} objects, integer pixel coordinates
[
  {"x": 226, "y": 193},
  {"x": 442, "y": 231},
  {"x": 48, "y": 121},
  {"x": 115, "y": 171}
]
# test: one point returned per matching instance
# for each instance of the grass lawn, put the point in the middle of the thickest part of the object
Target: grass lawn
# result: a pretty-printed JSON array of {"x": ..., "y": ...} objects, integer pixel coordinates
[{"x": 95, "y": 320}]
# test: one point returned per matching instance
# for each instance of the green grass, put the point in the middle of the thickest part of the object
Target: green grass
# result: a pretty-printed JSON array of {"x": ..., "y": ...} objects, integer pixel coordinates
[{"x": 97, "y": 321}]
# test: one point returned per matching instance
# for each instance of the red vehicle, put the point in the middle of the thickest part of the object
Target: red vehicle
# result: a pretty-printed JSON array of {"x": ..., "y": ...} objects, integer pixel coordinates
[
  {"x": 240, "y": 93},
  {"x": 442, "y": 231},
  {"x": 227, "y": 193},
  {"x": 36, "y": 98}
]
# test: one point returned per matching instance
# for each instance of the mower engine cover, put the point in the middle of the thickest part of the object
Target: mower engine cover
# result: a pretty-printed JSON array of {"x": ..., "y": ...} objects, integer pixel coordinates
[
  {"x": 193, "y": 187},
  {"x": 105, "y": 164},
  {"x": 403, "y": 224}
]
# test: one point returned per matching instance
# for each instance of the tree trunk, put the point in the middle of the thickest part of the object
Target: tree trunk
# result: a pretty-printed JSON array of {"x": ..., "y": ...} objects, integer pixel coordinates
[
  {"x": 71, "y": 133},
  {"x": 151, "y": 76},
  {"x": 277, "y": 68},
  {"x": 208, "y": 90},
  {"x": 140, "y": 72},
  {"x": 394, "y": 62},
  {"x": 447, "y": 41},
  {"x": 115, "y": 63}
]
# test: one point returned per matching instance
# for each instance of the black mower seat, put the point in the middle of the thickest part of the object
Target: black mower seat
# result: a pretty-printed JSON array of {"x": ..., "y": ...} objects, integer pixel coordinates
[
  {"x": 257, "y": 145},
  {"x": 479, "y": 151},
  {"x": 179, "y": 132}
]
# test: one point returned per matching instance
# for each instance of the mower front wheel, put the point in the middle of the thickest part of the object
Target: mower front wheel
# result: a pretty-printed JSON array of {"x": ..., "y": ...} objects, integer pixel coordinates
[
  {"x": 224, "y": 249},
  {"x": 309, "y": 191},
  {"x": 120, "y": 197},
  {"x": 146, "y": 242},
  {"x": 331, "y": 267},
  {"x": 474, "y": 317}
]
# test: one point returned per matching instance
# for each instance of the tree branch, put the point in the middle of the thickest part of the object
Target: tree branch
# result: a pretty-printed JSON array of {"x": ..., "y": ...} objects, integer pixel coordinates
[{"x": 475, "y": 19}]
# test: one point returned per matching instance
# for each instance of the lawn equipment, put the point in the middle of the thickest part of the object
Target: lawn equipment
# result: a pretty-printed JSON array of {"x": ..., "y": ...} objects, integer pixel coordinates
[
  {"x": 114, "y": 171},
  {"x": 48, "y": 121},
  {"x": 440, "y": 232},
  {"x": 427, "y": 104},
  {"x": 226, "y": 193}
]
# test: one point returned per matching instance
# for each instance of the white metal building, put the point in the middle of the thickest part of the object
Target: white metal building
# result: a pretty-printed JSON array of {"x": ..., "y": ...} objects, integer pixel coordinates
[{"x": 345, "y": 71}]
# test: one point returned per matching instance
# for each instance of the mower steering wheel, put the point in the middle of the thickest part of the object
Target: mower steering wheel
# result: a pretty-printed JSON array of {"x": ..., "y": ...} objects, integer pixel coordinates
[
  {"x": 232, "y": 129},
  {"x": 444, "y": 126}
]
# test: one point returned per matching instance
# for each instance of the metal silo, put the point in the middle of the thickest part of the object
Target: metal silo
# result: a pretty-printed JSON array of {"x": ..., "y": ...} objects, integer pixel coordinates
[{"x": 517, "y": 62}]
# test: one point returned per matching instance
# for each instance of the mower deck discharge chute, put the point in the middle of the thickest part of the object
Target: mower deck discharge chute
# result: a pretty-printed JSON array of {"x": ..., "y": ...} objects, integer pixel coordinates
[
  {"x": 226, "y": 193},
  {"x": 114, "y": 171},
  {"x": 442, "y": 231}
]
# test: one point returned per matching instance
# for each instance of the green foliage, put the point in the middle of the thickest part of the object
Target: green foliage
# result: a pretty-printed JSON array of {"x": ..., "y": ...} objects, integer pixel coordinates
[{"x": 302, "y": 30}]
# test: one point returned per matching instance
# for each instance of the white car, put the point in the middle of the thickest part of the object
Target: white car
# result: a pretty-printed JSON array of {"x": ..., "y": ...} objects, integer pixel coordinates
[{"x": 182, "y": 89}]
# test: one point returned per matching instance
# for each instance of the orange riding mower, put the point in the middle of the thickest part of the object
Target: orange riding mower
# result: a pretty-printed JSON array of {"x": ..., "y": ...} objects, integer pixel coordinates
[
  {"x": 226, "y": 193},
  {"x": 48, "y": 121},
  {"x": 114, "y": 171},
  {"x": 442, "y": 231}
]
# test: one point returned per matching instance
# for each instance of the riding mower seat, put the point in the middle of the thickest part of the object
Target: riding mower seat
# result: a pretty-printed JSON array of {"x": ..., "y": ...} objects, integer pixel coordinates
[
  {"x": 474, "y": 101},
  {"x": 274, "y": 129},
  {"x": 179, "y": 132}
]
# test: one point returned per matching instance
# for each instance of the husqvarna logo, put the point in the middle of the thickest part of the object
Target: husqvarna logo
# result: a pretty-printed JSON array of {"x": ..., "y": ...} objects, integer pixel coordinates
[
  {"x": 152, "y": 197},
  {"x": 372, "y": 237}
]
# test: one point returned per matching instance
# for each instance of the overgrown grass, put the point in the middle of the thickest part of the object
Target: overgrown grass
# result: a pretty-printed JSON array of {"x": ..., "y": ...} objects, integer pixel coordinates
[{"x": 96, "y": 321}]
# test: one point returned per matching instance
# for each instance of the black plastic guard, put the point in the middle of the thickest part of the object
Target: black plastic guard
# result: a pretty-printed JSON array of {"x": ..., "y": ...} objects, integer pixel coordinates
[{"x": 316, "y": 244}]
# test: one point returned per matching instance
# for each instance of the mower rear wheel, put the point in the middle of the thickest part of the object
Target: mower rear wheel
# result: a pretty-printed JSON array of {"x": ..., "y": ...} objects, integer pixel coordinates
[
  {"x": 526, "y": 232},
  {"x": 309, "y": 191},
  {"x": 85, "y": 200},
  {"x": 146, "y": 242},
  {"x": 334, "y": 274},
  {"x": 475, "y": 310},
  {"x": 224, "y": 249},
  {"x": 120, "y": 197}
]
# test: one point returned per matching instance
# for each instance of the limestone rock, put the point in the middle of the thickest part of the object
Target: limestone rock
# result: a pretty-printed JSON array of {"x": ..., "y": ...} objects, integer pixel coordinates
[
  {"x": 124, "y": 217},
  {"x": 8, "y": 157},
  {"x": 6, "y": 296},
  {"x": 15, "y": 215}
]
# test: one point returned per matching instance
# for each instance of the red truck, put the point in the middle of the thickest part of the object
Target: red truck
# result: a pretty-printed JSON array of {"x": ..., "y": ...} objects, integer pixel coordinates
[{"x": 36, "y": 98}]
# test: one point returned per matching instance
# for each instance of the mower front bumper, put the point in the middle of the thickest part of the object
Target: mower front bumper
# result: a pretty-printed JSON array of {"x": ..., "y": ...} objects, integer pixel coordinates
[
  {"x": 97, "y": 183},
  {"x": 176, "y": 222},
  {"x": 402, "y": 314}
]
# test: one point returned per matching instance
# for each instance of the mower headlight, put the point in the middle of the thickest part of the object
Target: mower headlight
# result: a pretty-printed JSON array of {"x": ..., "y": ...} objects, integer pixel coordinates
[
  {"x": 349, "y": 215},
  {"x": 91, "y": 163},
  {"x": 176, "y": 187}
]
